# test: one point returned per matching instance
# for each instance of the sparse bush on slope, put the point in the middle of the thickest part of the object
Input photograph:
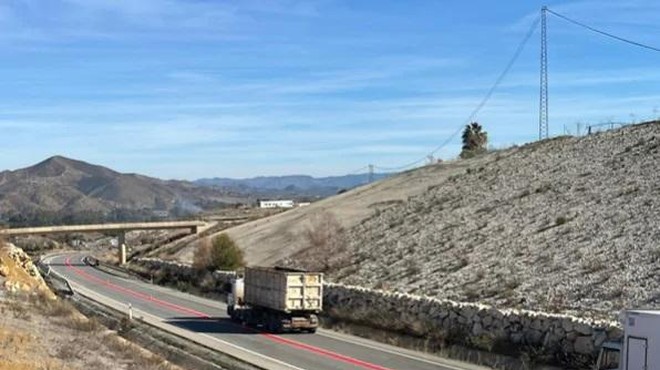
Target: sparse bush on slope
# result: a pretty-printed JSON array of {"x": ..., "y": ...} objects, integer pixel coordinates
[
  {"x": 325, "y": 245},
  {"x": 219, "y": 253}
]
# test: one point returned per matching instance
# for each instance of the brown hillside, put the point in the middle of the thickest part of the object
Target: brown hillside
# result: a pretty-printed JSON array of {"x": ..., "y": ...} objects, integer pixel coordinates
[{"x": 60, "y": 186}]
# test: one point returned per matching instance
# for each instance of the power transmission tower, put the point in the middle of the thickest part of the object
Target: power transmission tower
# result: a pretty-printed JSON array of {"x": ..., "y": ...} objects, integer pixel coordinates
[
  {"x": 371, "y": 173},
  {"x": 543, "y": 98}
]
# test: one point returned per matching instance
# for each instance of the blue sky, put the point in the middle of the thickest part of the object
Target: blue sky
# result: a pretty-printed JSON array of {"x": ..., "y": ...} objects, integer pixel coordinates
[{"x": 189, "y": 89}]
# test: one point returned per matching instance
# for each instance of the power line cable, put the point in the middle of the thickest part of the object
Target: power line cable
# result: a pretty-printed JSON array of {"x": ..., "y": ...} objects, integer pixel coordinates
[
  {"x": 359, "y": 171},
  {"x": 610, "y": 35},
  {"x": 506, "y": 71},
  {"x": 481, "y": 104}
]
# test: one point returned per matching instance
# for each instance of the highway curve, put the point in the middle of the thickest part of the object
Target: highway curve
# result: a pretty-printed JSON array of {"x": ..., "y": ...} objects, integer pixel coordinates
[{"x": 205, "y": 321}]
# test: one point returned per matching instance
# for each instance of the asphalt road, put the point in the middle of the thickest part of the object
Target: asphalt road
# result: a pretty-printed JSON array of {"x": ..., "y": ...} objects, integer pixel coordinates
[{"x": 205, "y": 320}]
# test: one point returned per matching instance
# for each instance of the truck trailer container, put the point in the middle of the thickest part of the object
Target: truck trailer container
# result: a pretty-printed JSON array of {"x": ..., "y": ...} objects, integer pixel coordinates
[
  {"x": 640, "y": 346},
  {"x": 277, "y": 299}
]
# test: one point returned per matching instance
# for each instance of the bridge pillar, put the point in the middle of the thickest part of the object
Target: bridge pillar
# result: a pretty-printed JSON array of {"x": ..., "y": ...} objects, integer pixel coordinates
[
  {"x": 194, "y": 230},
  {"x": 121, "y": 244}
]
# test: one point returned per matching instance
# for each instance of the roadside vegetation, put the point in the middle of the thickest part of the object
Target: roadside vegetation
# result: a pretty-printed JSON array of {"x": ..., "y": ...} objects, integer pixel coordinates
[
  {"x": 41, "y": 331},
  {"x": 218, "y": 253}
]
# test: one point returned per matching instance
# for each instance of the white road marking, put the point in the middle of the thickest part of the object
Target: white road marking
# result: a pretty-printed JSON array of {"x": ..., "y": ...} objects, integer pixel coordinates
[
  {"x": 253, "y": 353},
  {"x": 386, "y": 350},
  {"x": 328, "y": 334},
  {"x": 237, "y": 347}
]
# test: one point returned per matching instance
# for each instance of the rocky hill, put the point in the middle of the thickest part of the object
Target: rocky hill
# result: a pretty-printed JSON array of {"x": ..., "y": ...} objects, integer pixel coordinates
[
  {"x": 562, "y": 225},
  {"x": 566, "y": 225},
  {"x": 66, "y": 190}
]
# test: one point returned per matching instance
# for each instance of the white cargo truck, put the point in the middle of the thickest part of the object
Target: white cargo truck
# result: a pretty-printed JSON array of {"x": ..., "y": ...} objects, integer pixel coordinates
[
  {"x": 640, "y": 346},
  {"x": 277, "y": 299}
]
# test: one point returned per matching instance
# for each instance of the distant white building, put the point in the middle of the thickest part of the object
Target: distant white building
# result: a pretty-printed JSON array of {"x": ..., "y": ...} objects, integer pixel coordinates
[
  {"x": 304, "y": 204},
  {"x": 276, "y": 204}
]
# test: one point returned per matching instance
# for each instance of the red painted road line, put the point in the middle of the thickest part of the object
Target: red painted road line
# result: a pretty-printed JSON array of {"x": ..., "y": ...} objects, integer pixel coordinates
[
  {"x": 325, "y": 353},
  {"x": 274, "y": 338},
  {"x": 142, "y": 296}
]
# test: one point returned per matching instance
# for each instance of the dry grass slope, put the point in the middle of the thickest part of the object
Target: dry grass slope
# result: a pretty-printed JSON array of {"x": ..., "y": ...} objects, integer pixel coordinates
[
  {"x": 269, "y": 240},
  {"x": 40, "y": 331}
]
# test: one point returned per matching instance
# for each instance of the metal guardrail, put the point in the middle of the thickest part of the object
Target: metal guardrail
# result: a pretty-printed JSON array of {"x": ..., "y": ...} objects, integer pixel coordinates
[
  {"x": 202, "y": 355},
  {"x": 49, "y": 276}
]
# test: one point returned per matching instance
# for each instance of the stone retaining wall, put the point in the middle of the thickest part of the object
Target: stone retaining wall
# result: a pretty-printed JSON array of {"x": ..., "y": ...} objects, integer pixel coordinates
[
  {"x": 563, "y": 340},
  {"x": 174, "y": 273},
  {"x": 547, "y": 338}
]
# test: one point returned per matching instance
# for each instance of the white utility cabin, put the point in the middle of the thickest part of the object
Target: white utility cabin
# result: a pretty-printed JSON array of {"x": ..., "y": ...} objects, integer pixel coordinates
[{"x": 641, "y": 341}]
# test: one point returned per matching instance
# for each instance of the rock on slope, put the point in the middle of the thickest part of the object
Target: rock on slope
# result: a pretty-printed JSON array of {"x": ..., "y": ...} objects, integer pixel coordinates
[
  {"x": 18, "y": 273},
  {"x": 40, "y": 331},
  {"x": 566, "y": 225}
]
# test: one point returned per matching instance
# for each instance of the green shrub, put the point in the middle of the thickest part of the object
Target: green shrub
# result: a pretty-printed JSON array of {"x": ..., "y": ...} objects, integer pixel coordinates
[{"x": 220, "y": 253}]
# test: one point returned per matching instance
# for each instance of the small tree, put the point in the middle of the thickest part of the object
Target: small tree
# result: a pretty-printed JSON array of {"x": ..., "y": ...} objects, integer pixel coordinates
[
  {"x": 220, "y": 253},
  {"x": 475, "y": 140}
]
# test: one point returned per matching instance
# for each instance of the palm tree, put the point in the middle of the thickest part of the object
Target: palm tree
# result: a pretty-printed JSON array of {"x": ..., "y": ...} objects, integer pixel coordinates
[{"x": 474, "y": 140}]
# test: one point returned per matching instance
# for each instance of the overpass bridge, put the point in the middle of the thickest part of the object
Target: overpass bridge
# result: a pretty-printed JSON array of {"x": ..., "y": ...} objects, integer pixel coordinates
[{"x": 119, "y": 229}]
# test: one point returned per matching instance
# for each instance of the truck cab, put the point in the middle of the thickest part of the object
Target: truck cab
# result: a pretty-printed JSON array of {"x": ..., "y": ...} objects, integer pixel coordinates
[{"x": 235, "y": 299}]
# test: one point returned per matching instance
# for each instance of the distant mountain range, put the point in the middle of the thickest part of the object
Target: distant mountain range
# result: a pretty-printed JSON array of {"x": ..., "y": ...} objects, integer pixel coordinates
[
  {"x": 294, "y": 186},
  {"x": 63, "y": 190}
]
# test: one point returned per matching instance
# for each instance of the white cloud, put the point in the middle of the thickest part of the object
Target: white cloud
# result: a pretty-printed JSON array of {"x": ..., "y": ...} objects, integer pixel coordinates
[{"x": 59, "y": 20}]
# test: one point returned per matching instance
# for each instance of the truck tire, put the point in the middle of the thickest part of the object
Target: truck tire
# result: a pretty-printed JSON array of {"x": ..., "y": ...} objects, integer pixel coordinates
[
  {"x": 311, "y": 331},
  {"x": 273, "y": 327},
  {"x": 247, "y": 318},
  {"x": 273, "y": 324}
]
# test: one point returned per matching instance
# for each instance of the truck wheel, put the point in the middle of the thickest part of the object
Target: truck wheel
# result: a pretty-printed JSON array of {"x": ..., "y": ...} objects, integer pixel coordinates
[
  {"x": 273, "y": 325},
  {"x": 311, "y": 331}
]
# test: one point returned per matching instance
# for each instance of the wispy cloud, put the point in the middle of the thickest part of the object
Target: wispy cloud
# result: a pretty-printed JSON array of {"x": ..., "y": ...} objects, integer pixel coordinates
[
  {"x": 163, "y": 19},
  {"x": 203, "y": 88}
]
